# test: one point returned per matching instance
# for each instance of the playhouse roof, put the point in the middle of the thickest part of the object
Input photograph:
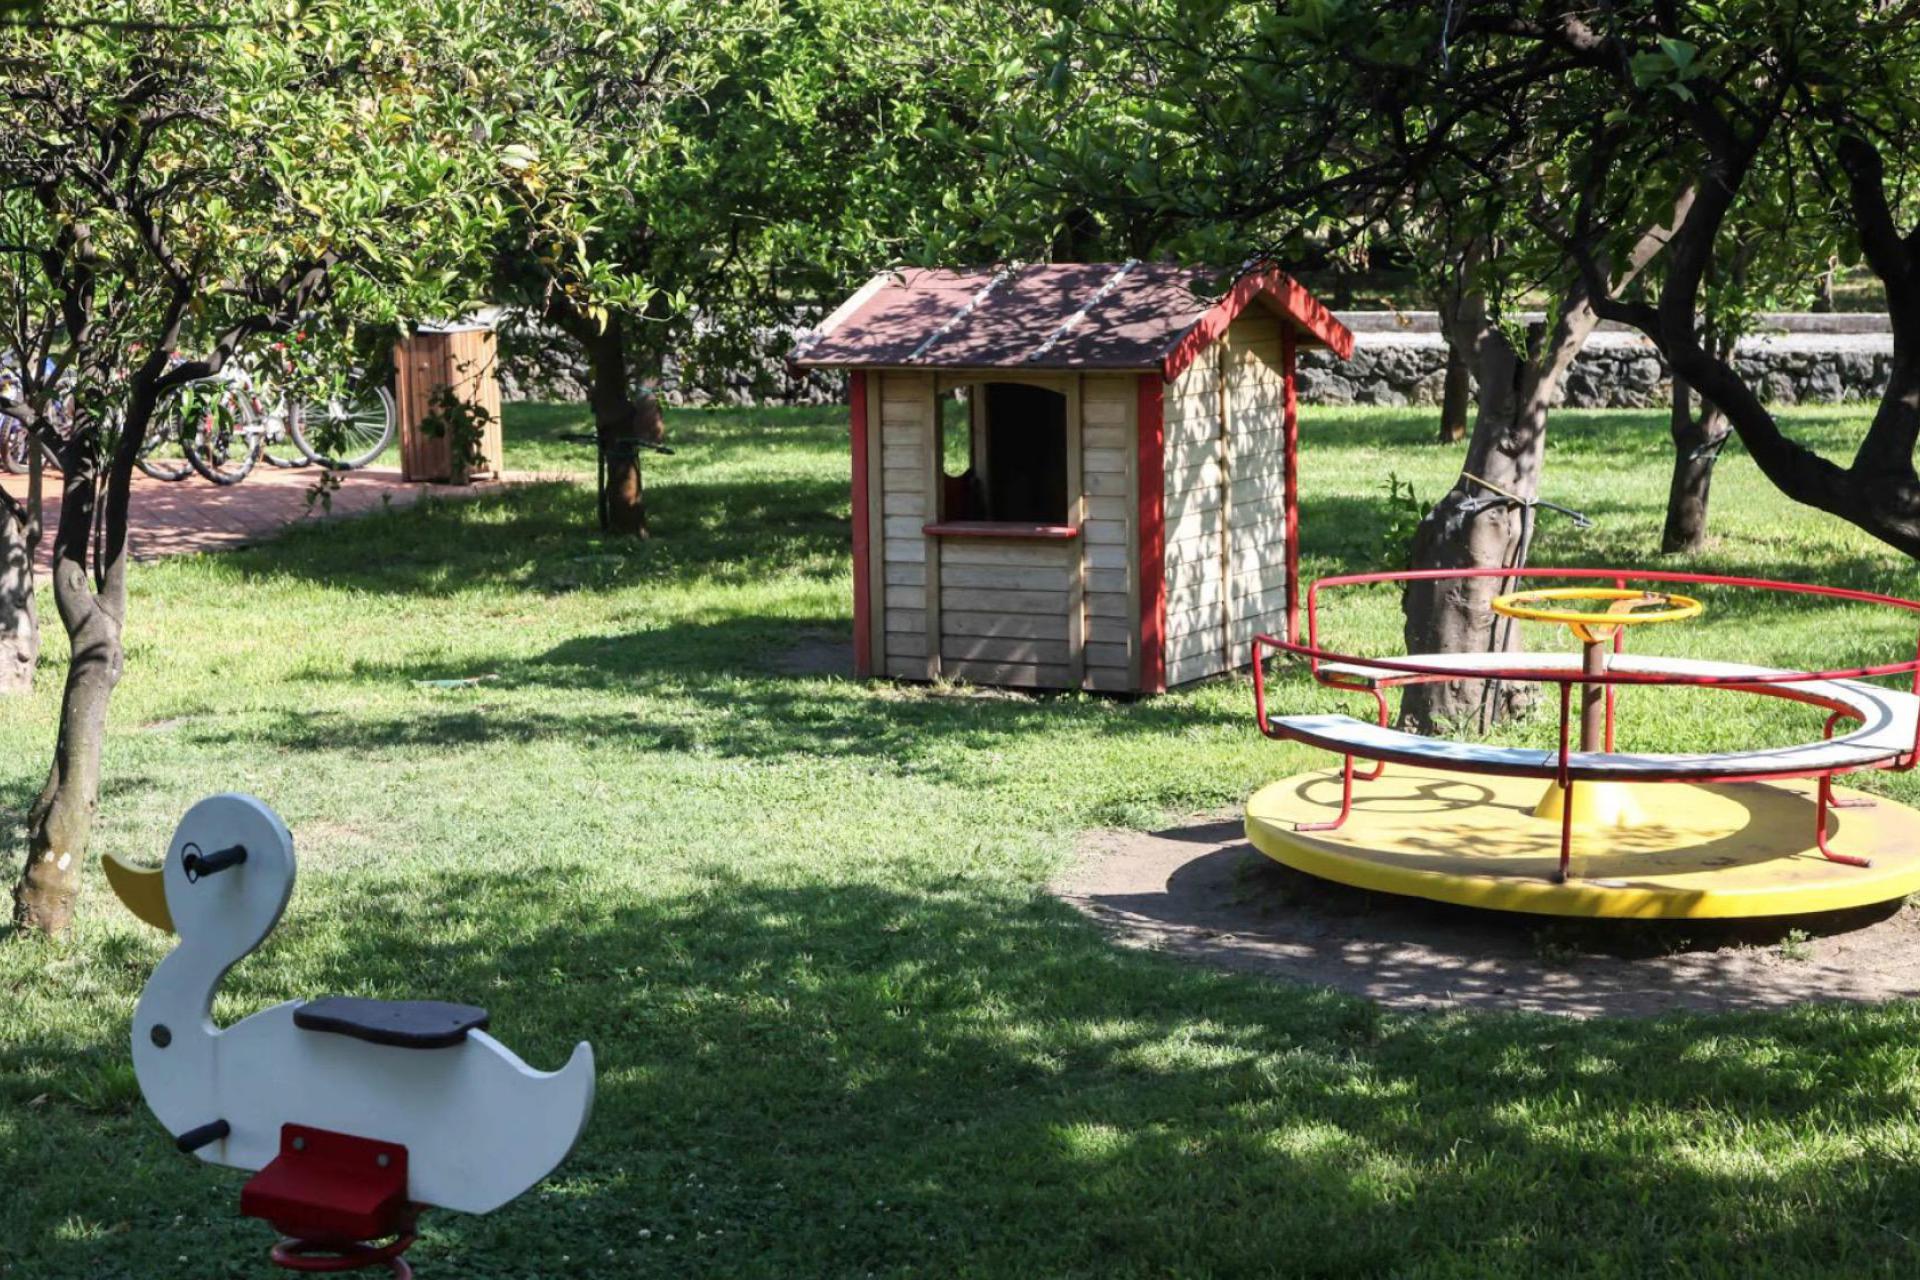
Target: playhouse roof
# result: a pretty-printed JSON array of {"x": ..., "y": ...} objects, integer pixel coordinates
[{"x": 1132, "y": 315}]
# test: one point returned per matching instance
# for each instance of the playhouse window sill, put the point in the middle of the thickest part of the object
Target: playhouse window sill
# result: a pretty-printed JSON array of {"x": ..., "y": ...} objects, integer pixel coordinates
[{"x": 1001, "y": 529}]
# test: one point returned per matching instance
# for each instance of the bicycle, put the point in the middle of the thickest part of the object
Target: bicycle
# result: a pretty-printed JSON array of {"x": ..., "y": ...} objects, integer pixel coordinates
[
  {"x": 342, "y": 431},
  {"x": 214, "y": 428},
  {"x": 16, "y": 440}
]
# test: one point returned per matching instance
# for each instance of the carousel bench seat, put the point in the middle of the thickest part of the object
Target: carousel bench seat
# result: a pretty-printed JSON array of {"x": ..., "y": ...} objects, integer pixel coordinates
[{"x": 1883, "y": 732}]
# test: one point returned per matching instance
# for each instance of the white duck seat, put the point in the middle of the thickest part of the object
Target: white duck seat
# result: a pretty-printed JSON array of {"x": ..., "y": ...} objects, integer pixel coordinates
[{"x": 1883, "y": 734}]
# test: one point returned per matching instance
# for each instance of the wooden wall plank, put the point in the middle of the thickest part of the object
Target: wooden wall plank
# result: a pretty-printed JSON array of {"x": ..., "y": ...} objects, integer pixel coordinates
[
  {"x": 1056, "y": 555},
  {"x": 906, "y": 550},
  {"x": 1013, "y": 577},
  {"x": 1011, "y": 601},
  {"x": 1017, "y": 675},
  {"x": 1003, "y": 649},
  {"x": 967, "y": 622},
  {"x": 908, "y": 644}
]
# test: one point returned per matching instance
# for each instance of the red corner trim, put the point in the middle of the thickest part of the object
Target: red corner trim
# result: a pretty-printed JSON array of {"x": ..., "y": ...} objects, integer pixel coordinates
[
  {"x": 1283, "y": 294},
  {"x": 862, "y": 582},
  {"x": 1290, "y": 433},
  {"x": 1153, "y": 536}
]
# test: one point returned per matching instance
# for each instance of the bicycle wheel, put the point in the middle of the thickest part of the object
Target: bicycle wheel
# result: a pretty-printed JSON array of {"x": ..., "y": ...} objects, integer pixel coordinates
[
  {"x": 222, "y": 440},
  {"x": 14, "y": 446},
  {"x": 347, "y": 431},
  {"x": 276, "y": 433},
  {"x": 163, "y": 456}
]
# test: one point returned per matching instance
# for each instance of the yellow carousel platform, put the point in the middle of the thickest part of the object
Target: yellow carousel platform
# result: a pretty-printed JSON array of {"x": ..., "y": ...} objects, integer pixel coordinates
[{"x": 1695, "y": 851}]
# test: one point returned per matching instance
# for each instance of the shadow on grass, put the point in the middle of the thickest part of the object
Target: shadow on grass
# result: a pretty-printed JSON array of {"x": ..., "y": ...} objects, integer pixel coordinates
[
  {"x": 749, "y": 704},
  {"x": 542, "y": 539},
  {"x": 846, "y": 1079}
]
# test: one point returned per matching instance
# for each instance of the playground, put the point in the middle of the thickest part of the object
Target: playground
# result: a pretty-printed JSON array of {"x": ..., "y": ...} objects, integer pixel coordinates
[{"x": 843, "y": 1025}]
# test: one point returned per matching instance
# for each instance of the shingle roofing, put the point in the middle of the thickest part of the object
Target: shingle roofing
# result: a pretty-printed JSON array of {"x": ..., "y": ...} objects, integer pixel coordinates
[{"x": 1131, "y": 315}]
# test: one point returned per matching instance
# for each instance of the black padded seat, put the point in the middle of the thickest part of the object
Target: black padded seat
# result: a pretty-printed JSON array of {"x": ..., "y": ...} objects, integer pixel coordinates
[{"x": 404, "y": 1024}]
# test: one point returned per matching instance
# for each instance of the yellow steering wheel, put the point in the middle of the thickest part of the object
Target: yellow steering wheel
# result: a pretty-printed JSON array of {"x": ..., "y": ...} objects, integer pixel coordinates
[{"x": 1624, "y": 609}]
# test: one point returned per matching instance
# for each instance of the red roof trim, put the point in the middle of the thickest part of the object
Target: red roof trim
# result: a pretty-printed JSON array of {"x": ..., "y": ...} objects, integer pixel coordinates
[{"x": 1283, "y": 294}]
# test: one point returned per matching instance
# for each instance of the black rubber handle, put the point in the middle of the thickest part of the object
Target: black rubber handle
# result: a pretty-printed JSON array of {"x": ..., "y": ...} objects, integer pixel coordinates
[
  {"x": 194, "y": 1139},
  {"x": 205, "y": 864}
]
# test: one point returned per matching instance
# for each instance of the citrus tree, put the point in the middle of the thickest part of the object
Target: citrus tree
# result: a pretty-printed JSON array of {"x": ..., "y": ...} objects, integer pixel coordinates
[
  {"x": 177, "y": 183},
  {"x": 696, "y": 175}
]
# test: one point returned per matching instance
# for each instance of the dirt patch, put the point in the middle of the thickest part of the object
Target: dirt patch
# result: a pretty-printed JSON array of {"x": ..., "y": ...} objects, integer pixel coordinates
[
  {"x": 817, "y": 653},
  {"x": 1201, "y": 892}
]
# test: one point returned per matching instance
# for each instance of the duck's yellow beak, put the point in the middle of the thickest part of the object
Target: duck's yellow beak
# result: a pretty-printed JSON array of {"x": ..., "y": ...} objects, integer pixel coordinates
[{"x": 143, "y": 892}]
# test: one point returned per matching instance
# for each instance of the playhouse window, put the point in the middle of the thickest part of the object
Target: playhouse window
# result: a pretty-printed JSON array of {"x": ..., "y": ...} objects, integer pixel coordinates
[{"x": 1003, "y": 454}]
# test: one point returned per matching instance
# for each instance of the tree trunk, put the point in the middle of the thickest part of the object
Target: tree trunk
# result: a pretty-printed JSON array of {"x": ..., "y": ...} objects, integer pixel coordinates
[
  {"x": 1457, "y": 309},
  {"x": 1694, "y": 453},
  {"x": 61, "y": 821},
  {"x": 92, "y": 611},
  {"x": 1506, "y": 449},
  {"x": 622, "y": 421},
  {"x": 1456, "y": 394}
]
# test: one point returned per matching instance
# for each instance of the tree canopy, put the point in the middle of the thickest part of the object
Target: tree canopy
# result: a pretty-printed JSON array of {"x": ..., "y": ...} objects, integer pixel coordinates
[{"x": 1768, "y": 137}]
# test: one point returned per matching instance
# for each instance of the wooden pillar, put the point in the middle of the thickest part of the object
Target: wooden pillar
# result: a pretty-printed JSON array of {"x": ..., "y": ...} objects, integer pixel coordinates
[
  {"x": 936, "y": 484},
  {"x": 1077, "y": 548}
]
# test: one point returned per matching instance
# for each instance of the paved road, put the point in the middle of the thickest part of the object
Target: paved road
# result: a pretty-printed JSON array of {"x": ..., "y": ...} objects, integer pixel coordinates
[{"x": 192, "y": 515}]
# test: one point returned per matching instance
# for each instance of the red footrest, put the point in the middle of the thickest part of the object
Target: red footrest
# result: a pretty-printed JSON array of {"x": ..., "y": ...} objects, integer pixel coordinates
[{"x": 331, "y": 1186}]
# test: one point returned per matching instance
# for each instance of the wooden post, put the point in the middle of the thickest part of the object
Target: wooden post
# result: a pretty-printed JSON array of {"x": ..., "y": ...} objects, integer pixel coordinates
[
  {"x": 1077, "y": 549},
  {"x": 936, "y": 485},
  {"x": 464, "y": 359},
  {"x": 1593, "y": 698}
]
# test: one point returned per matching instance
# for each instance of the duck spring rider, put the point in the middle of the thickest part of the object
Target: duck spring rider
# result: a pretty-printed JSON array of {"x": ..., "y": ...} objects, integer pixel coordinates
[{"x": 355, "y": 1114}]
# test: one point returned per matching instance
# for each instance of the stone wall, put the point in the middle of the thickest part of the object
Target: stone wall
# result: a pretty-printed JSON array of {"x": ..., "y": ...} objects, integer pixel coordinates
[
  {"x": 1399, "y": 359},
  {"x": 537, "y": 365}
]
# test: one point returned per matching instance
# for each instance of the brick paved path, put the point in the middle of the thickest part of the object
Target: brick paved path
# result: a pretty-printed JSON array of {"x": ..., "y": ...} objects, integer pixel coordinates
[{"x": 192, "y": 515}]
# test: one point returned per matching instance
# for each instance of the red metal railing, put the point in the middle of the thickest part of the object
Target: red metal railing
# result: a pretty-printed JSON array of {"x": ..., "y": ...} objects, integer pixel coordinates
[{"x": 1399, "y": 671}]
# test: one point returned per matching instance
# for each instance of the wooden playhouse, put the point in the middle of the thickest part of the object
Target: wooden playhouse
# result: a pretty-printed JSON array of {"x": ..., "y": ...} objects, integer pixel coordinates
[{"x": 1073, "y": 476}]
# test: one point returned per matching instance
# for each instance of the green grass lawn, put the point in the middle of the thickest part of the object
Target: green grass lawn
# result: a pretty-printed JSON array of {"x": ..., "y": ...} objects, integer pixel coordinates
[{"x": 842, "y": 1029}]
